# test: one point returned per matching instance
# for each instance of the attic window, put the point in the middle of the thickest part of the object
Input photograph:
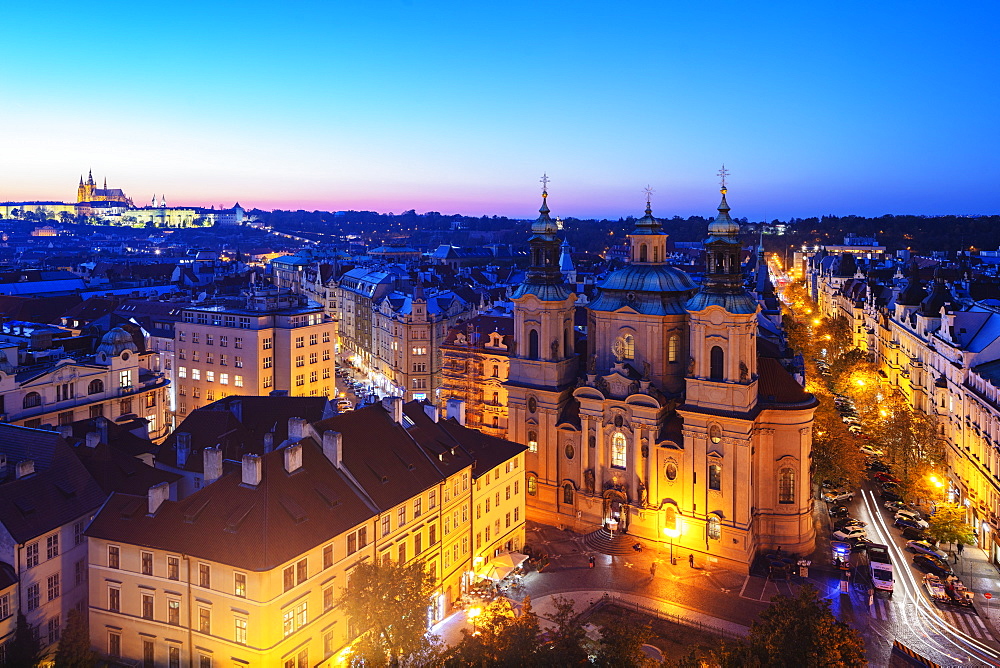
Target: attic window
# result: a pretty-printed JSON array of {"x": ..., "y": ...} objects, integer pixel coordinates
[
  {"x": 24, "y": 505},
  {"x": 236, "y": 518},
  {"x": 130, "y": 509},
  {"x": 328, "y": 495},
  {"x": 407, "y": 422},
  {"x": 65, "y": 489},
  {"x": 294, "y": 510},
  {"x": 193, "y": 511}
]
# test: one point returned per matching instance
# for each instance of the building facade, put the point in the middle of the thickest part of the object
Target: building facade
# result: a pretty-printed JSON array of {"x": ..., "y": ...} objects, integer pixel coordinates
[
  {"x": 270, "y": 340},
  {"x": 678, "y": 427},
  {"x": 475, "y": 367}
]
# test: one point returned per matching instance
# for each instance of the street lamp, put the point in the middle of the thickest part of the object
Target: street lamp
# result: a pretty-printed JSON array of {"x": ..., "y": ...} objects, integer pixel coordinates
[
  {"x": 671, "y": 533},
  {"x": 472, "y": 614}
]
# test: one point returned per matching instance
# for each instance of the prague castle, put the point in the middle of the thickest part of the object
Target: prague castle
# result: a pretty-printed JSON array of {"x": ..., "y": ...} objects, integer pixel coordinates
[
  {"x": 683, "y": 424},
  {"x": 112, "y": 205}
]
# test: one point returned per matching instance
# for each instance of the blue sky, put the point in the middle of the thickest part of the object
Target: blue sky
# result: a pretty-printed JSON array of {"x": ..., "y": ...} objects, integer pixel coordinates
[{"x": 816, "y": 108}]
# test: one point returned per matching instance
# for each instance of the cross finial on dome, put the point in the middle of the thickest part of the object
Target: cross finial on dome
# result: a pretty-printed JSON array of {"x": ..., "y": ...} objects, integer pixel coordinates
[
  {"x": 649, "y": 196},
  {"x": 723, "y": 173},
  {"x": 545, "y": 184}
]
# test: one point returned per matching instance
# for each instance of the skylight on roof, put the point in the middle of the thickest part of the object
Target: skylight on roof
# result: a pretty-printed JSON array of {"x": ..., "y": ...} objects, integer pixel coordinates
[{"x": 407, "y": 422}]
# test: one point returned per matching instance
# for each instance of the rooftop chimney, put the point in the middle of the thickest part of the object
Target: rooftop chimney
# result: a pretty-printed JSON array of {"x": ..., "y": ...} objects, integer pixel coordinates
[
  {"x": 66, "y": 431},
  {"x": 251, "y": 470},
  {"x": 212, "y": 459},
  {"x": 183, "y": 443},
  {"x": 93, "y": 438},
  {"x": 456, "y": 409},
  {"x": 25, "y": 468},
  {"x": 297, "y": 428},
  {"x": 268, "y": 442},
  {"x": 102, "y": 428},
  {"x": 293, "y": 457},
  {"x": 432, "y": 411},
  {"x": 395, "y": 407},
  {"x": 157, "y": 495},
  {"x": 333, "y": 447}
]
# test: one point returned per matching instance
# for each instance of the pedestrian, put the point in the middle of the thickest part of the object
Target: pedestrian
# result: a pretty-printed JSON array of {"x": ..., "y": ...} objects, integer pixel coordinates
[
  {"x": 961, "y": 546},
  {"x": 691, "y": 560},
  {"x": 652, "y": 570}
]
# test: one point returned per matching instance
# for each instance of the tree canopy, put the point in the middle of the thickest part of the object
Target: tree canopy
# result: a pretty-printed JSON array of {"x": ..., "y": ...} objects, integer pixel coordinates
[{"x": 387, "y": 603}]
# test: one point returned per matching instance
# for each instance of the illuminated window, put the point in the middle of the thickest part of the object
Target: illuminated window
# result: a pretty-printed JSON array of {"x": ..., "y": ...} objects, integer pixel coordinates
[
  {"x": 224, "y": 378},
  {"x": 238, "y": 381},
  {"x": 714, "y": 527},
  {"x": 532, "y": 484},
  {"x": 240, "y": 584},
  {"x": 624, "y": 347},
  {"x": 240, "y": 635},
  {"x": 618, "y": 448},
  {"x": 195, "y": 374},
  {"x": 715, "y": 477},
  {"x": 673, "y": 344},
  {"x": 786, "y": 485},
  {"x": 532, "y": 442},
  {"x": 182, "y": 372}
]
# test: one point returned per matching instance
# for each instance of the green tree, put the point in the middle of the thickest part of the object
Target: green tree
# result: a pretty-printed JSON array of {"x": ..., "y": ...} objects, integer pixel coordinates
[
  {"x": 567, "y": 638},
  {"x": 800, "y": 632},
  {"x": 74, "y": 645},
  {"x": 24, "y": 651},
  {"x": 501, "y": 638},
  {"x": 621, "y": 645},
  {"x": 836, "y": 454},
  {"x": 948, "y": 525},
  {"x": 387, "y": 603}
]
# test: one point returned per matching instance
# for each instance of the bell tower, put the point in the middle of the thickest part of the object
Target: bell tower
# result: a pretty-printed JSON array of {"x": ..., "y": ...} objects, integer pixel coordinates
[{"x": 543, "y": 368}]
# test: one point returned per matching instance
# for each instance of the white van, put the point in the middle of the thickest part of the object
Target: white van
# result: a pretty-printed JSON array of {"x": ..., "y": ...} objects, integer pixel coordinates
[{"x": 881, "y": 566}]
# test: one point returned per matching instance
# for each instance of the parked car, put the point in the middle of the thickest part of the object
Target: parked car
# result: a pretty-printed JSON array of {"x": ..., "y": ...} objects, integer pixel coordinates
[
  {"x": 913, "y": 534},
  {"x": 836, "y": 495},
  {"x": 895, "y": 506},
  {"x": 850, "y": 533},
  {"x": 924, "y": 547},
  {"x": 879, "y": 465},
  {"x": 913, "y": 516},
  {"x": 889, "y": 495},
  {"x": 886, "y": 477},
  {"x": 907, "y": 524},
  {"x": 850, "y": 419},
  {"x": 344, "y": 405},
  {"x": 839, "y": 511},
  {"x": 870, "y": 451},
  {"x": 848, "y": 522},
  {"x": 929, "y": 564},
  {"x": 854, "y": 429}
]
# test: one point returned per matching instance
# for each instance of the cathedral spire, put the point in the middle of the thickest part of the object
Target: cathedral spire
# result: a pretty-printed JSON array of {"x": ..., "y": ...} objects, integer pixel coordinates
[{"x": 544, "y": 278}]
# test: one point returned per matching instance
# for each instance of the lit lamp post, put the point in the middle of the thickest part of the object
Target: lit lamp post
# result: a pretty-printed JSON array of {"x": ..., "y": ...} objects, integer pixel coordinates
[
  {"x": 672, "y": 533},
  {"x": 472, "y": 614}
]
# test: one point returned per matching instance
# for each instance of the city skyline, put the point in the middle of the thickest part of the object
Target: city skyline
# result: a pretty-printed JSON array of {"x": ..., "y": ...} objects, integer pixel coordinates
[{"x": 457, "y": 109}]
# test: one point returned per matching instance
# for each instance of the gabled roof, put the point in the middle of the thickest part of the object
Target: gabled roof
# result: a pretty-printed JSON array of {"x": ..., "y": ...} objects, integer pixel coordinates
[
  {"x": 256, "y": 528},
  {"x": 117, "y": 471}
]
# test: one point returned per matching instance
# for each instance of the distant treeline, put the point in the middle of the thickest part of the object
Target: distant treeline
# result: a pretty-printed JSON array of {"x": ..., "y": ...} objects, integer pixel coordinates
[{"x": 919, "y": 233}]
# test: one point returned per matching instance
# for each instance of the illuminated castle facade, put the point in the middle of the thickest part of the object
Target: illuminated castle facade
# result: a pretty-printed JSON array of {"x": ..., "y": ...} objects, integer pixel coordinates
[{"x": 681, "y": 424}]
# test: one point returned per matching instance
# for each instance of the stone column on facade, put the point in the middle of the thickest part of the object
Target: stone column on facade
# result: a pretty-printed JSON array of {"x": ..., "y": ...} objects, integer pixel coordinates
[
  {"x": 584, "y": 449},
  {"x": 637, "y": 465},
  {"x": 599, "y": 465}
]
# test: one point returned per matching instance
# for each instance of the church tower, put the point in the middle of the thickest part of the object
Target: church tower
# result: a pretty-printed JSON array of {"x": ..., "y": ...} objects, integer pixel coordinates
[{"x": 543, "y": 368}]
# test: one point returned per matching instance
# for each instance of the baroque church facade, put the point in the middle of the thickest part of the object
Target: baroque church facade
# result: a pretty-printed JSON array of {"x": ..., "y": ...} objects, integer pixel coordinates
[{"x": 678, "y": 424}]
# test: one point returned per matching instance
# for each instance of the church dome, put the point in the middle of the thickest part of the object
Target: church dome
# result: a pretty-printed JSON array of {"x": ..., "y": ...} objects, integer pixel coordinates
[
  {"x": 723, "y": 225},
  {"x": 654, "y": 289},
  {"x": 117, "y": 341}
]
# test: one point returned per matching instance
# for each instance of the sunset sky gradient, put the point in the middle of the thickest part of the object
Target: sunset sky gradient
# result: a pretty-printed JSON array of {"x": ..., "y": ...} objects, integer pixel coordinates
[{"x": 459, "y": 107}]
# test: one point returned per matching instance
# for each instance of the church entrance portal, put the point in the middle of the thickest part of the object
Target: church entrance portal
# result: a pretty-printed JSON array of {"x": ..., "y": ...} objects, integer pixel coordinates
[{"x": 616, "y": 511}]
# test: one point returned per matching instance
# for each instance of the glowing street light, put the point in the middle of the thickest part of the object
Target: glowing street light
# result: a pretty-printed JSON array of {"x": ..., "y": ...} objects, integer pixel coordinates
[
  {"x": 672, "y": 533},
  {"x": 472, "y": 614}
]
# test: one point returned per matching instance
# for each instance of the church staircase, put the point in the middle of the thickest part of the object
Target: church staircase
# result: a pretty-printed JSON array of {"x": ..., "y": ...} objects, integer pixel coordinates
[{"x": 602, "y": 541}]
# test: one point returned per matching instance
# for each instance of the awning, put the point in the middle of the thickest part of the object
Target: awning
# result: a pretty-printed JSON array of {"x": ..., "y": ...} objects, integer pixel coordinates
[{"x": 502, "y": 566}]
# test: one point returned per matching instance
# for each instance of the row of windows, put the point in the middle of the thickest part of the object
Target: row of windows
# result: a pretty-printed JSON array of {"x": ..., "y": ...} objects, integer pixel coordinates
[
  {"x": 300, "y": 360},
  {"x": 496, "y": 528},
  {"x": 217, "y": 319},
  {"x": 507, "y": 493},
  {"x": 33, "y": 550},
  {"x": 313, "y": 339},
  {"x": 182, "y": 372},
  {"x": 66, "y": 391},
  {"x": 210, "y": 339},
  {"x": 624, "y": 347},
  {"x": 210, "y": 358}
]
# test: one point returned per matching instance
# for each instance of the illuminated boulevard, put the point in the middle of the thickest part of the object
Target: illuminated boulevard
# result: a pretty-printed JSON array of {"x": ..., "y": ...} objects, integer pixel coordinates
[{"x": 730, "y": 601}]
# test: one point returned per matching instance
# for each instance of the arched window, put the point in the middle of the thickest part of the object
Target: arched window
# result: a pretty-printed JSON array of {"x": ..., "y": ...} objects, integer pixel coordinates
[
  {"x": 496, "y": 422},
  {"x": 673, "y": 343},
  {"x": 642, "y": 253},
  {"x": 715, "y": 477},
  {"x": 532, "y": 484},
  {"x": 624, "y": 348},
  {"x": 716, "y": 360},
  {"x": 95, "y": 387},
  {"x": 714, "y": 527},
  {"x": 532, "y": 441},
  {"x": 533, "y": 344},
  {"x": 618, "y": 445},
  {"x": 32, "y": 399},
  {"x": 786, "y": 485},
  {"x": 670, "y": 519},
  {"x": 496, "y": 371},
  {"x": 568, "y": 493}
]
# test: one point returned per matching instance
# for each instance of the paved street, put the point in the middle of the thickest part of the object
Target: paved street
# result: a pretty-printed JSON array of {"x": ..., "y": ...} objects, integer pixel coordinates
[{"x": 730, "y": 601}]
